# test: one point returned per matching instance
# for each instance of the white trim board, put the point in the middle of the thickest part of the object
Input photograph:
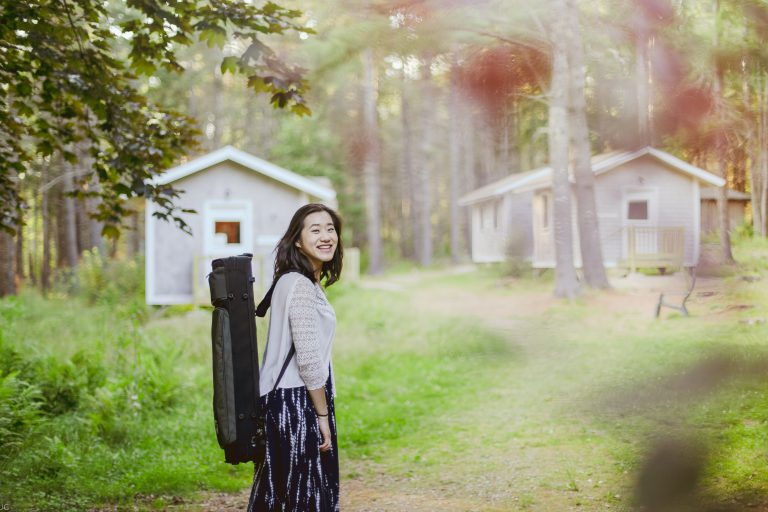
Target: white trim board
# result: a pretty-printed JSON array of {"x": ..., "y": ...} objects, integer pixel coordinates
[
  {"x": 254, "y": 163},
  {"x": 149, "y": 252},
  {"x": 163, "y": 300}
]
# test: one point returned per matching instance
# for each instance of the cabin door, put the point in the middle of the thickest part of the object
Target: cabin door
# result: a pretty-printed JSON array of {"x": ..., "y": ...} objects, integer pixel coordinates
[{"x": 640, "y": 222}]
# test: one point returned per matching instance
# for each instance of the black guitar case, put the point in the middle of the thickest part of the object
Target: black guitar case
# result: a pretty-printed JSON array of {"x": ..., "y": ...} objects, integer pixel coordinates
[{"x": 239, "y": 420}]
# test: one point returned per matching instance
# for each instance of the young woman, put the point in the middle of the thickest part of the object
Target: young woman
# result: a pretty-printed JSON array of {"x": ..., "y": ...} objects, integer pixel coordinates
[{"x": 300, "y": 472}]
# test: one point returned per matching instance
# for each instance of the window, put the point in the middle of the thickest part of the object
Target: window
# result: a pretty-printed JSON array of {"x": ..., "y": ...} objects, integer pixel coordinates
[
  {"x": 545, "y": 211},
  {"x": 637, "y": 210},
  {"x": 496, "y": 210},
  {"x": 230, "y": 229}
]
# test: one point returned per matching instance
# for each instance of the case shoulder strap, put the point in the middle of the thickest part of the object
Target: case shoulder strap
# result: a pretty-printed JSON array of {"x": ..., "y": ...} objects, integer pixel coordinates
[{"x": 261, "y": 311}]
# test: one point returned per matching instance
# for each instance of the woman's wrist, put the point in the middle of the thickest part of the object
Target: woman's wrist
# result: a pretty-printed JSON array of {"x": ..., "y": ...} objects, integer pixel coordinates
[{"x": 321, "y": 415}]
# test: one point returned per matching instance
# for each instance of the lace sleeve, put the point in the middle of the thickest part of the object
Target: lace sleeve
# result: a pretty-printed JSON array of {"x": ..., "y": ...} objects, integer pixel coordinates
[{"x": 303, "y": 318}]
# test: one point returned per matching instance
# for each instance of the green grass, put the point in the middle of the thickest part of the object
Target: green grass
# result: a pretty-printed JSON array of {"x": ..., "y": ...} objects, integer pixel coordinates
[
  {"x": 111, "y": 405},
  {"x": 144, "y": 427}
]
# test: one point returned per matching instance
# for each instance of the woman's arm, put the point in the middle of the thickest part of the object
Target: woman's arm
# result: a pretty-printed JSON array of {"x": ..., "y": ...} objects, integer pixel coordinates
[
  {"x": 321, "y": 408},
  {"x": 303, "y": 319}
]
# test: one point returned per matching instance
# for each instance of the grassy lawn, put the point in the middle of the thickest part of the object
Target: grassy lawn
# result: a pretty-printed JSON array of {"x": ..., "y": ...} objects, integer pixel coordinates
[{"x": 456, "y": 390}]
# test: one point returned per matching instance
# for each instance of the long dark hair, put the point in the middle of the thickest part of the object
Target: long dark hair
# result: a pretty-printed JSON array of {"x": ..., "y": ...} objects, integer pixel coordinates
[{"x": 288, "y": 257}]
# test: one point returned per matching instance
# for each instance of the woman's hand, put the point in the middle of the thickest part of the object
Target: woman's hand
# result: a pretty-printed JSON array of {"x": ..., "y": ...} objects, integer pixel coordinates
[{"x": 325, "y": 430}]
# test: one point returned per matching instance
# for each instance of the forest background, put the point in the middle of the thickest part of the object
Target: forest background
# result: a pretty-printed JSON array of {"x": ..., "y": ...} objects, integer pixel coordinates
[{"x": 413, "y": 103}]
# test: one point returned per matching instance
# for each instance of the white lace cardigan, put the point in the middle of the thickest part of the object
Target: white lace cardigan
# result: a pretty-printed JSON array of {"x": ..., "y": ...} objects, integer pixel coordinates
[{"x": 300, "y": 314}]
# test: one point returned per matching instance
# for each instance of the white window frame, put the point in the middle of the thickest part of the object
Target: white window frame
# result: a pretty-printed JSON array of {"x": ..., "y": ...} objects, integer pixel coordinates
[{"x": 227, "y": 211}]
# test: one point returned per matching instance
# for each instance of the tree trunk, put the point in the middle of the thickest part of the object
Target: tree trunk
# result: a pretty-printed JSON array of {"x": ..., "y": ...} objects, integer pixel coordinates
[
  {"x": 643, "y": 86},
  {"x": 720, "y": 148},
  {"x": 371, "y": 178},
  {"x": 137, "y": 236},
  {"x": 757, "y": 155},
  {"x": 589, "y": 230},
  {"x": 217, "y": 115},
  {"x": 763, "y": 148},
  {"x": 8, "y": 256},
  {"x": 566, "y": 283},
  {"x": 20, "y": 251},
  {"x": 407, "y": 218},
  {"x": 84, "y": 224},
  {"x": 45, "y": 267},
  {"x": 468, "y": 167},
  {"x": 488, "y": 152},
  {"x": 83, "y": 227},
  {"x": 70, "y": 219},
  {"x": 34, "y": 229},
  {"x": 251, "y": 122},
  {"x": 424, "y": 170},
  {"x": 454, "y": 154},
  {"x": 97, "y": 241},
  {"x": 7, "y": 264}
]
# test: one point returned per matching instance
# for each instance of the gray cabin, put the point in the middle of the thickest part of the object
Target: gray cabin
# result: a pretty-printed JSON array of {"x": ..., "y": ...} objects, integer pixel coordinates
[
  {"x": 243, "y": 204},
  {"x": 648, "y": 206}
]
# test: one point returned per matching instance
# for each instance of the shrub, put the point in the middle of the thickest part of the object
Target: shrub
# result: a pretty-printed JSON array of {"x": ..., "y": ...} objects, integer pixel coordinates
[
  {"x": 20, "y": 404},
  {"x": 107, "y": 281},
  {"x": 743, "y": 231}
]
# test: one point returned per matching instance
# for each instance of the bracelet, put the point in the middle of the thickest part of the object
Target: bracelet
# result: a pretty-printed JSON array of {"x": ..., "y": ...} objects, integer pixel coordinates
[{"x": 321, "y": 415}]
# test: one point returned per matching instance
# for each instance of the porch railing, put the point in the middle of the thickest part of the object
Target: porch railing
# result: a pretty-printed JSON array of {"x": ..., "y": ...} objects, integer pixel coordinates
[{"x": 655, "y": 247}]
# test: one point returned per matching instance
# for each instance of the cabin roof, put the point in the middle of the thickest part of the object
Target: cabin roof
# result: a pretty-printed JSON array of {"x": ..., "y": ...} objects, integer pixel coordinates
[
  {"x": 601, "y": 163},
  {"x": 229, "y": 153},
  {"x": 500, "y": 187}
]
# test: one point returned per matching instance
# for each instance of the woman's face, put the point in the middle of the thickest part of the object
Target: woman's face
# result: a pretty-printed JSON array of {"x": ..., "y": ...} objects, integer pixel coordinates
[{"x": 318, "y": 238}]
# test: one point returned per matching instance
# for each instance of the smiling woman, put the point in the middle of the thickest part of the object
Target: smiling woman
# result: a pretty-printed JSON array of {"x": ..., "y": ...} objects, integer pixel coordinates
[{"x": 301, "y": 468}]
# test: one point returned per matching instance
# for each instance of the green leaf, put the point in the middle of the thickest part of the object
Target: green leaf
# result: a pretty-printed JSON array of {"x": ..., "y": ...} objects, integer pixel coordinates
[
  {"x": 215, "y": 36},
  {"x": 301, "y": 109},
  {"x": 229, "y": 64},
  {"x": 110, "y": 231}
]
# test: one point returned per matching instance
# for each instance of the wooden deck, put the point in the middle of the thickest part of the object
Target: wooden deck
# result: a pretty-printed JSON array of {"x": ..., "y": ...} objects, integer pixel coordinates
[
  {"x": 643, "y": 247},
  {"x": 657, "y": 247}
]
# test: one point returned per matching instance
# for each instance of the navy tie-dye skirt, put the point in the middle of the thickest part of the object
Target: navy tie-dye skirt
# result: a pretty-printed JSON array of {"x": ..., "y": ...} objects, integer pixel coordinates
[{"x": 295, "y": 475}]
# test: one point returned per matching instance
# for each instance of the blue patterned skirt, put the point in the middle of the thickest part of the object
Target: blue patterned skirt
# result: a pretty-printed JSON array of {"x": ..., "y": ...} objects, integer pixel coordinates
[{"x": 295, "y": 475}]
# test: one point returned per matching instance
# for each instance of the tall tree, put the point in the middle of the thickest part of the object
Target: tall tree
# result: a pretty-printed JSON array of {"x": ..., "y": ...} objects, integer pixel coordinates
[
  {"x": 423, "y": 197},
  {"x": 721, "y": 144},
  {"x": 589, "y": 230},
  {"x": 371, "y": 163},
  {"x": 69, "y": 220},
  {"x": 406, "y": 177},
  {"x": 7, "y": 264},
  {"x": 566, "y": 282},
  {"x": 454, "y": 154}
]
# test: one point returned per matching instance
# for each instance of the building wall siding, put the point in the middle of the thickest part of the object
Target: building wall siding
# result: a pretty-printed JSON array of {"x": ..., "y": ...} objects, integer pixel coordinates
[
  {"x": 709, "y": 219},
  {"x": 512, "y": 233}
]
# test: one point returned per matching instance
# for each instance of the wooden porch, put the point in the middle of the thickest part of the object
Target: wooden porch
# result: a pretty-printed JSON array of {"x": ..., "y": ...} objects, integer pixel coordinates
[
  {"x": 657, "y": 247},
  {"x": 649, "y": 247}
]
